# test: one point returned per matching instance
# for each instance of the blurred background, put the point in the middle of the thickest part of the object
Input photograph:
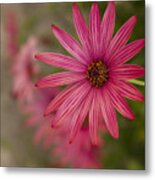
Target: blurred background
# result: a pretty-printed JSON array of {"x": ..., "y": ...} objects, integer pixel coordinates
[{"x": 17, "y": 147}]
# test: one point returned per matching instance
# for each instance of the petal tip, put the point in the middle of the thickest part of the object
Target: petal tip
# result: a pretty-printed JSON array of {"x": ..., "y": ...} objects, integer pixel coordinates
[
  {"x": 36, "y": 85},
  {"x": 132, "y": 117},
  {"x": 52, "y": 126},
  {"x": 36, "y": 56},
  {"x": 74, "y": 5},
  {"x": 45, "y": 114},
  {"x": 53, "y": 27},
  {"x": 94, "y": 6},
  {"x": 116, "y": 135},
  {"x": 134, "y": 19},
  {"x": 70, "y": 141},
  {"x": 112, "y": 3}
]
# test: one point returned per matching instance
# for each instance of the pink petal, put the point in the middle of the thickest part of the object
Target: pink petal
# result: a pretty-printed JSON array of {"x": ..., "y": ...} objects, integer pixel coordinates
[
  {"x": 70, "y": 44},
  {"x": 127, "y": 71},
  {"x": 121, "y": 37},
  {"x": 48, "y": 141},
  {"x": 80, "y": 115},
  {"x": 40, "y": 133},
  {"x": 81, "y": 28},
  {"x": 71, "y": 104},
  {"x": 95, "y": 29},
  {"x": 60, "y": 61},
  {"x": 107, "y": 26},
  {"x": 108, "y": 113},
  {"x": 94, "y": 118},
  {"x": 60, "y": 98},
  {"x": 126, "y": 53},
  {"x": 118, "y": 102},
  {"x": 128, "y": 90},
  {"x": 60, "y": 79},
  {"x": 32, "y": 121}
]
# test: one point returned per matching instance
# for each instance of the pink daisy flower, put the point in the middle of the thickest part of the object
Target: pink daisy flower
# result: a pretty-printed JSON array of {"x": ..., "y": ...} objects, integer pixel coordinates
[
  {"x": 23, "y": 70},
  {"x": 97, "y": 73}
]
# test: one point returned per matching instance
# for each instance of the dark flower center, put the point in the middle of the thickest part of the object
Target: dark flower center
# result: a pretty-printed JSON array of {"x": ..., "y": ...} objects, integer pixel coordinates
[{"x": 97, "y": 73}]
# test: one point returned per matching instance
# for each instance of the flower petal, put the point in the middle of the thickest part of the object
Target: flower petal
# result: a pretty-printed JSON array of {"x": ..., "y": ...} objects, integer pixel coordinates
[
  {"x": 95, "y": 29},
  {"x": 107, "y": 26},
  {"x": 60, "y": 98},
  {"x": 80, "y": 115},
  {"x": 32, "y": 121},
  {"x": 70, "y": 44},
  {"x": 60, "y": 79},
  {"x": 60, "y": 61},
  {"x": 40, "y": 133},
  {"x": 118, "y": 102},
  {"x": 126, "y": 53},
  {"x": 81, "y": 29},
  {"x": 108, "y": 113},
  {"x": 121, "y": 37},
  {"x": 94, "y": 118},
  {"x": 128, "y": 90},
  {"x": 126, "y": 72},
  {"x": 71, "y": 104}
]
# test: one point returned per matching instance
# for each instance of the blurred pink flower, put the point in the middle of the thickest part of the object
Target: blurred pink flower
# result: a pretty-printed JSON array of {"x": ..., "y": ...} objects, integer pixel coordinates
[
  {"x": 23, "y": 71},
  {"x": 97, "y": 77},
  {"x": 41, "y": 98},
  {"x": 86, "y": 154},
  {"x": 79, "y": 154}
]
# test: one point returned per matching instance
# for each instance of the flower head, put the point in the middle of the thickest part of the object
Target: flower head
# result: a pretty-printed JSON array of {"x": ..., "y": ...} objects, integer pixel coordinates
[
  {"x": 97, "y": 75},
  {"x": 23, "y": 70}
]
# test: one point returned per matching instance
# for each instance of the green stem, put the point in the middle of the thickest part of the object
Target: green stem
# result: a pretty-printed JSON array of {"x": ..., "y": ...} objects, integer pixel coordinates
[{"x": 137, "y": 82}]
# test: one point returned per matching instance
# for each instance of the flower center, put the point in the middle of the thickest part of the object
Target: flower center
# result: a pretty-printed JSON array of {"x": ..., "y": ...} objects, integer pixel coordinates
[{"x": 97, "y": 73}]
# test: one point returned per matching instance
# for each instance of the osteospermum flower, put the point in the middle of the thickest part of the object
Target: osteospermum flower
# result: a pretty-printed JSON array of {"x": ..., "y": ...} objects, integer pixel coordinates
[
  {"x": 97, "y": 72},
  {"x": 23, "y": 69}
]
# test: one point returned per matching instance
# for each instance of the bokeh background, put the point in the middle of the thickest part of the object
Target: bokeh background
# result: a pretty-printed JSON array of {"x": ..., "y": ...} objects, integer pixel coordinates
[{"x": 17, "y": 147}]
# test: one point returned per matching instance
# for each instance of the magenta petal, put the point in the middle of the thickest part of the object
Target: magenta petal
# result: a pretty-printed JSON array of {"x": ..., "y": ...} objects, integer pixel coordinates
[
  {"x": 108, "y": 113},
  {"x": 94, "y": 118},
  {"x": 126, "y": 53},
  {"x": 80, "y": 115},
  {"x": 95, "y": 29},
  {"x": 70, "y": 44},
  {"x": 60, "y": 61},
  {"x": 81, "y": 28},
  {"x": 128, "y": 90},
  {"x": 121, "y": 37},
  {"x": 71, "y": 104},
  {"x": 119, "y": 103},
  {"x": 126, "y": 72},
  {"x": 60, "y": 98},
  {"x": 40, "y": 133},
  {"x": 60, "y": 79},
  {"x": 32, "y": 121},
  {"x": 107, "y": 26}
]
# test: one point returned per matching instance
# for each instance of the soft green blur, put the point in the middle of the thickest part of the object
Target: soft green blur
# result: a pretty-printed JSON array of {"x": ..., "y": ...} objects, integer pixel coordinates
[{"x": 128, "y": 152}]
